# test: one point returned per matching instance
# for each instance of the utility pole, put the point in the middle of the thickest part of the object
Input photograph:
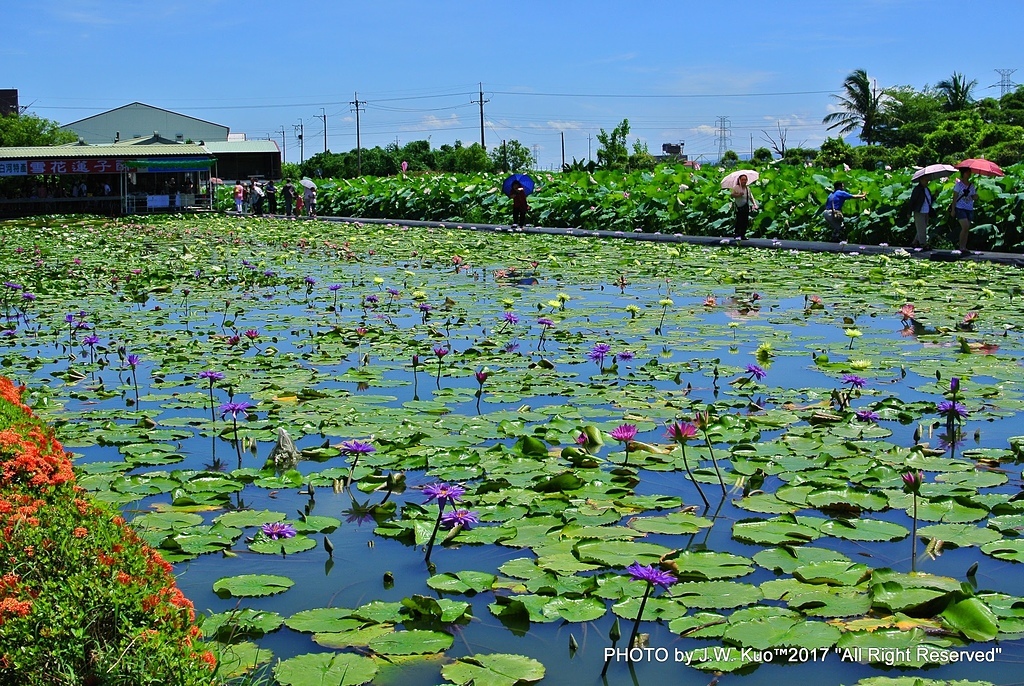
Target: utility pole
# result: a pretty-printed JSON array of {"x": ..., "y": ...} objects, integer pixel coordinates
[
  {"x": 323, "y": 117},
  {"x": 284, "y": 146},
  {"x": 359, "y": 148},
  {"x": 1005, "y": 84},
  {"x": 302, "y": 146},
  {"x": 723, "y": 136},
  {"x": 536, "y": 156},
  {"x": 588, "y": 147},
  {"x": 562, "y": 133},
  {"x": 481, "y": 102}
]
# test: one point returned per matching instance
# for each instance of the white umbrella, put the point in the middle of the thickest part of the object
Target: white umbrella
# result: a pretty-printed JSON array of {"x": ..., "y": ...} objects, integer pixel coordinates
[
  {"x": 308, "y": 183},
  {"x": 933, "y": 171},
  {"x": 732, "y": 180}
]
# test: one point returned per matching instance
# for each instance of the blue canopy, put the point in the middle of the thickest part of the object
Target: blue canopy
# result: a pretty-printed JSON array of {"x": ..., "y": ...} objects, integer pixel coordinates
[{"x": 523, "y": 179}]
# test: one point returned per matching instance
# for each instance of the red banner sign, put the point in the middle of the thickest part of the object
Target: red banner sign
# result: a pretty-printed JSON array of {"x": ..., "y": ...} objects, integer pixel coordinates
[{"x": 60, "y": 167}]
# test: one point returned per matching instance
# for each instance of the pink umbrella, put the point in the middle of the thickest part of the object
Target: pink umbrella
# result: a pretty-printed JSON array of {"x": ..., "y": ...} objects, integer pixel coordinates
[
  {"x": 981, "y": 167},
  {"x": 933, "y": 171}
]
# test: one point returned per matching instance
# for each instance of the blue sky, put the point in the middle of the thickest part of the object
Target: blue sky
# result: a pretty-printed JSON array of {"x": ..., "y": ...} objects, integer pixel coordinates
[{"x": 547, "y": 69}]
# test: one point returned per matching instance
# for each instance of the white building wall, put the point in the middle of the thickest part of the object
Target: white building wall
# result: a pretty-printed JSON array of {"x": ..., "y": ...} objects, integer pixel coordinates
[{"x": 139, "y": 120}]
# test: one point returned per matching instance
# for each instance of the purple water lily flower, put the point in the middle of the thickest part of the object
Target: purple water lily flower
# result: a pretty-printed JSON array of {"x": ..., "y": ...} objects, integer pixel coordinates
[
  {"x": 598, "y": 353},
  {"x": 234, "y": 409},
  {"x": 211, "y": 375},
  {"x": 357, "y": 448},
  {"x": 464, "y": 518},
  {"x": 651, "y": 575},
  {"x": 950, "y": 408},
  {"x": 133, "y": 360},
  {"x": 624, "y": 432},
  {"x": 624, "y": 356},
  {"x": 276, "y": 530},
  {"x": 510, "y": 317},
  {"x": 444, "y": 493},
  {"x": 756, "y": 372},
  {"x": 866, "y": 416},
  {"x": 854, "y": 381}
]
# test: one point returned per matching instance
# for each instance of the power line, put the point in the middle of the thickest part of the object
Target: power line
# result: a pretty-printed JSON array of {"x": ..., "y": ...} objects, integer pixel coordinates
[{"x": 662, "y": 95}]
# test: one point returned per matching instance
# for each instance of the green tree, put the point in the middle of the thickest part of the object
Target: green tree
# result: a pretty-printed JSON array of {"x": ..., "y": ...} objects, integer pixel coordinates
[
  {"x": 909, "y": 115},
  {"x": 323, "y": 165},
  {"x": 511, "y": 156},
  {"x": 862, "y": 105},
  {"x": 418, "y": 154},
  {"x": 956, "y": 92},
  {"x": 833, "y": 153},
  {"x": 18, "y": 130},
  {"x": 463, "y": 160},
  {"x": 641, "y": 157},
  {"x": 762, "y": 156},
  {"x": 729, "y": 159},
  {"x": 613, "y": 153}
]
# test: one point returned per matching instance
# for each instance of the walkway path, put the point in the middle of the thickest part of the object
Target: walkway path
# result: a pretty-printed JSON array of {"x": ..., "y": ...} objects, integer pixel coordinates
[{"x": 1014, "y": 259}]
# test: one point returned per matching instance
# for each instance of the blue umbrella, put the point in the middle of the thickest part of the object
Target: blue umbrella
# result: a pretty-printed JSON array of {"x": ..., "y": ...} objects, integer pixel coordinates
[{"x": 523, "y": 179}]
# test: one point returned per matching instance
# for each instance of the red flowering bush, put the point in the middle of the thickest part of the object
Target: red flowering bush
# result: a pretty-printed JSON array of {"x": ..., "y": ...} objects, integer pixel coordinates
[{"x": 82, "y": 599}]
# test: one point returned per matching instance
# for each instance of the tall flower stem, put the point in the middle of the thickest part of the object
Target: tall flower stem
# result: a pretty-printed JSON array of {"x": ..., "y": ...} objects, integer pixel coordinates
[
  {"x": 714, "y": 461},
  {"x": 433, "y": 535},
  {"x": 686, "y": 464},
  {"x": 639, "y": 616},
  {"x": 913, "y": 539}
]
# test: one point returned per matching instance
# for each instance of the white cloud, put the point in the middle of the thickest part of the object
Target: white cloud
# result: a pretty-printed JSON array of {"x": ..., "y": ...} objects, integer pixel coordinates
[
  {"x": 705, "y": 129},
  {"x": 432, "y": 122}
]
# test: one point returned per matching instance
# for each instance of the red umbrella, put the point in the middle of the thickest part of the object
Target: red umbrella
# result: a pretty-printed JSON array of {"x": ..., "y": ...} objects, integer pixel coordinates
[{"x": 981, "y": 167}]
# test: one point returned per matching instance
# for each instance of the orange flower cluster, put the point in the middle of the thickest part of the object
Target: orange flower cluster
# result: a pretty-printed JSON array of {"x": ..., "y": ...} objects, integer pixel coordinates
[{"x": 34, "y": 471}]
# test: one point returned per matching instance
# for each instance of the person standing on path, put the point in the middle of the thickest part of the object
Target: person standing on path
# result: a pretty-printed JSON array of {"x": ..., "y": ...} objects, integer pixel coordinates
[
  {"x": 519, "y": 204},
  {"x": 239, "y": 196},
  {"x": 744, "y": 202},
  {"x": 964, "y": 195},
  {"x": 289, "y": 197},
  {"x": 271, "y": 198},
  {"x": 310, "y": 200},
  {"x": 833, "y": 210},
  {"x": 922, "y": 204}
]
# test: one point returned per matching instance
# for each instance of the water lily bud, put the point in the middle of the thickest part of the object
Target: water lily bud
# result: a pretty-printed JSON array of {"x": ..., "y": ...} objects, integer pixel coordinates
[
  {"x": 954, "y": 384},
  {"x": 615, "y": 633}
]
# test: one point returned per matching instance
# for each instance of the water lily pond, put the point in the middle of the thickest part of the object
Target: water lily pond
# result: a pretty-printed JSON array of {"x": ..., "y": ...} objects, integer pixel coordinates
[{"x": 489, "y": 428}]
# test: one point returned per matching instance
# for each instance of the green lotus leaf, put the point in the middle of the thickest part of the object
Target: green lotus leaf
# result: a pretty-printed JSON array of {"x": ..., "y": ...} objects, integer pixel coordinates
[
  {"x": 675, "y": 523},
  {"x": 1006, "y": 549},
  {"x": 414, "y": 642},
  {"x": 864, "y": 530},
  {"x": 657, "y": 608},
  {"x": 699, "y": 625},
  {"x": 959, "y": 535},
  {"x": 715, "y": 594},
  {"x": 620, "y": 553},
  {"x": 323, "y": 619},
  {"x": 784, "y": 529},
  {"x": 235, "y": 659},
  {"x": 379, "y": 611},
  {"x": 708, "y": 565},
  {"x": 244, "y": 518},
  {"x": 251, "y": 585},
  {"x": 973, "y": 618},
  {"x": 462, "y": 582},
  {"x": 245, "y": 622},
  {"x": 316, "y": 669},
  {"x": 352, "y": 638},
  {"x": 786, "y": 559},
  {"x": 282, "y": 546},
  {"x": 493, "y": 669},
  {"x": 833, "y": 573}
]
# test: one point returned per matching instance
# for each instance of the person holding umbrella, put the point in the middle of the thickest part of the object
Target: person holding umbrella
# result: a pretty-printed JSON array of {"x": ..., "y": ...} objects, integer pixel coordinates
[
  {"x": 517, "y": 187},
  {"x": 922, "y": 202},
  {"x": 964, "y": 195},
  {"x": 742, "y": 199}
]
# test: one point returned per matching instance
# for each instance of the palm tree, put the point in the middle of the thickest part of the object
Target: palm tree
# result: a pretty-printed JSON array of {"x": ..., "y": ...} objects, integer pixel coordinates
[
  {"x": 957, "y": 91},
  {"x": 862, "y": 104}
]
